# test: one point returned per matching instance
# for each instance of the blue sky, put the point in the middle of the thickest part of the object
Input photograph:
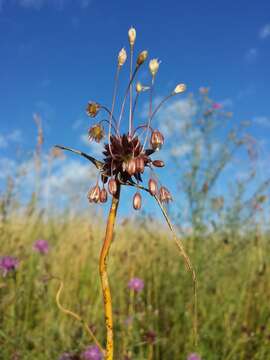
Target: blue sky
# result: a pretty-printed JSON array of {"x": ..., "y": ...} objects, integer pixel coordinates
[{"x": 58, "y": 54}]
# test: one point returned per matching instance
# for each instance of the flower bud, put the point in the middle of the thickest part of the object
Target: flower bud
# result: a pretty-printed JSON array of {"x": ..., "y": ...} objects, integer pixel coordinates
[
  {"x": 132, "y": 36},
  {"x": 96, "y": 133},
  {"x": 92, "y": 109},
  {"x": 93, "y": 194},
  {"x": 157, "y": 140},
  {"x": 179, "y": 88},
  {"x": 103, "y": 195},
  {"x": 137, "y": 201},
  {"x": 139, "y": 164},
  {"x": 139, "y": 87},
  {"x": 153, "y": 66},
  {"x": 164, "y": 194},
  {"x": 112, "y": 186},
  {"x": 158, "y": 163},
  {"x": 153, "y": 187},
  {"x": 122, "y": 57},
  {"x": 142, "y": 57},
  {"x": 131, "y": 166}
]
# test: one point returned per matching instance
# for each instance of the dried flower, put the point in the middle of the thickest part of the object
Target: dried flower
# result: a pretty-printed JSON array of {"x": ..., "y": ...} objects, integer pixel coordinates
[
  {"x": 122, "y": 57},
  {"x": 131, "y": 166},
  {"x": 137, "y": 201},
  {"x": 164, "y": 195},
  {"x": 41, "y": 246},
  {"x": 103, "y": 196},
  {"x": 157, "y": 140},
  {"x": 153, "y": 66},
  {"x": 153, "y": 187},
  {"x": 112, "y": 186},
  {"x": 93, "y": 194},
  {"x": 136, "y": 284},
  {"x": 92, "y": 109},
  {"x": 96, "y": 133},
  {"x": 92, "y": 353},
  {"x": 140, "y": 164},
  {"x": 180, "y": 88},
  {"x": 142, "y": 57},
  {"x": 158, "y": 163},
  {"x": 132, "y": 36},
  {"x": 8, "y": 264}
]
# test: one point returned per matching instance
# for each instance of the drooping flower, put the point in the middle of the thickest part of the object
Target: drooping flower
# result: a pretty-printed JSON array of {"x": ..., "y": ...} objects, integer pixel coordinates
[
  {"x": 8, "y": 264},
  {"x": 137, "y": 201},
  {"x": 96, "y": 133},
  {"x": 136, "y": 284},
  {"x": 92, "y": 109},
  {"x": 41, "y": 246},
  {"x": 180, "y": 88},
  {"x": 194, "y": 356},
  {"x": 92, "y": 353}
]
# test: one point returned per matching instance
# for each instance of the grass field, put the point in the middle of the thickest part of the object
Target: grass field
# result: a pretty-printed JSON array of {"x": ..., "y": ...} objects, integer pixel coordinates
[{"x": 155, "y": 323}]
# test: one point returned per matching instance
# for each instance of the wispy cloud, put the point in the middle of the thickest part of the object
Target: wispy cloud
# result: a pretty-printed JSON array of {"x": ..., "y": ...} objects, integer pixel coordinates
[
  {"x": 95, "y": 148},
  {"x": 13, "y": 137},
  {"x": 39, "y": 4},
  {"x": 263, "y": 121},
  {"x": 265, "y": 31},
  {"x": 251, "y": 55}
]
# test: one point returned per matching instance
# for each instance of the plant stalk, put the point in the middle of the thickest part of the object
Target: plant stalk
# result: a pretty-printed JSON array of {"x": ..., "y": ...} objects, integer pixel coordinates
[{"x": 106, "y": 292}]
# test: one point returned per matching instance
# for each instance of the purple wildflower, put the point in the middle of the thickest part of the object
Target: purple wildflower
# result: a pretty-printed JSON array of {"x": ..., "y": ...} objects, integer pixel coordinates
[
  {"x": 136, "y": 284},
  {"x": 194, "y": 356},
  {"x": 8, "y": 263},
  {"x": 41, "y": 246},
  {"x": 216, "y": 106},
  {"x": 92, "y": 353}
]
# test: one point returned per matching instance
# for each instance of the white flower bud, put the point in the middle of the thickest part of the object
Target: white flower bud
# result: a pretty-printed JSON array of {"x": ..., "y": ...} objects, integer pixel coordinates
[
  {"x": 180, "y": 88},
  {"x": 132, "y": 36},
  {"x": 122, "y": 57},
  {"x": 153, "y": 66}
]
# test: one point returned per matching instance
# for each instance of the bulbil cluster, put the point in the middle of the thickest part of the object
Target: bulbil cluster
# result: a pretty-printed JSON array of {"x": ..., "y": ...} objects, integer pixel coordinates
[{"x": 127, "y": 155}]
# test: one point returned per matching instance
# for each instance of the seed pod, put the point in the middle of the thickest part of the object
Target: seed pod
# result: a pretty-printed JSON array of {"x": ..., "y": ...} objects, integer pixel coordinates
[
  {"x": 157, "y": 140},
  {"x": 93, "y": 194},
  {"x": 103, "y": 195},
  {"x": 153, "y": 187},
  {"x": 164, "y": 194},
  {"x": 142, "y": 57},
  {"x": 132, "y": 36},
  {"x": 158, "y": 163},
  {"x": 179, "y": 88},
  {"x": 137, "y": 201},
  {"x": 139, "y": 164},
  {"x": 112, "y": 186},
  {"x": 131, "y": 166},
  {"x": 153, "y": 66},
  {"x": 122, "y": 57}
]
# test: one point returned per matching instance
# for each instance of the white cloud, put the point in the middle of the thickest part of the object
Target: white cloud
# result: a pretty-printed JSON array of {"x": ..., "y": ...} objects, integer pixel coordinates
[
  {"x": 262, "y": 121},
  {"x": 181, "y": 150},
  {"x": 7, "y": 166},
  {"x": 14, "y": 137},
  {"x": 95, "y": 148},
  {"x": 251, "y": 55},
  {"x": 265, "y": 31}
]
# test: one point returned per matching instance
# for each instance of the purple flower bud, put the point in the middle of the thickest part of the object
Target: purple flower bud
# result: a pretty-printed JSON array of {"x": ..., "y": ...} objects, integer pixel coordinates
[
  {"x": 194, "y": 356},
  {"x": 137, "y": 201},
  {"x": 103, "y": 195},
  {"x": 8, "y": 264},
  {"x": 164, "y": 195},
  {"x": 41, "y": 246},
  {"x": 157, "y": 140},
  {"x": 93, "y": 194},
  {"x": 131, "y": 166},
  {"x": 112, "y": 186},
  {"x": 92, "y": 353},
  {"x": 139, "y": 164},
  {"x": 136, "y": 284},
  {"x": 158, "y": 163},
  {"x": 153, "y": 187}
]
